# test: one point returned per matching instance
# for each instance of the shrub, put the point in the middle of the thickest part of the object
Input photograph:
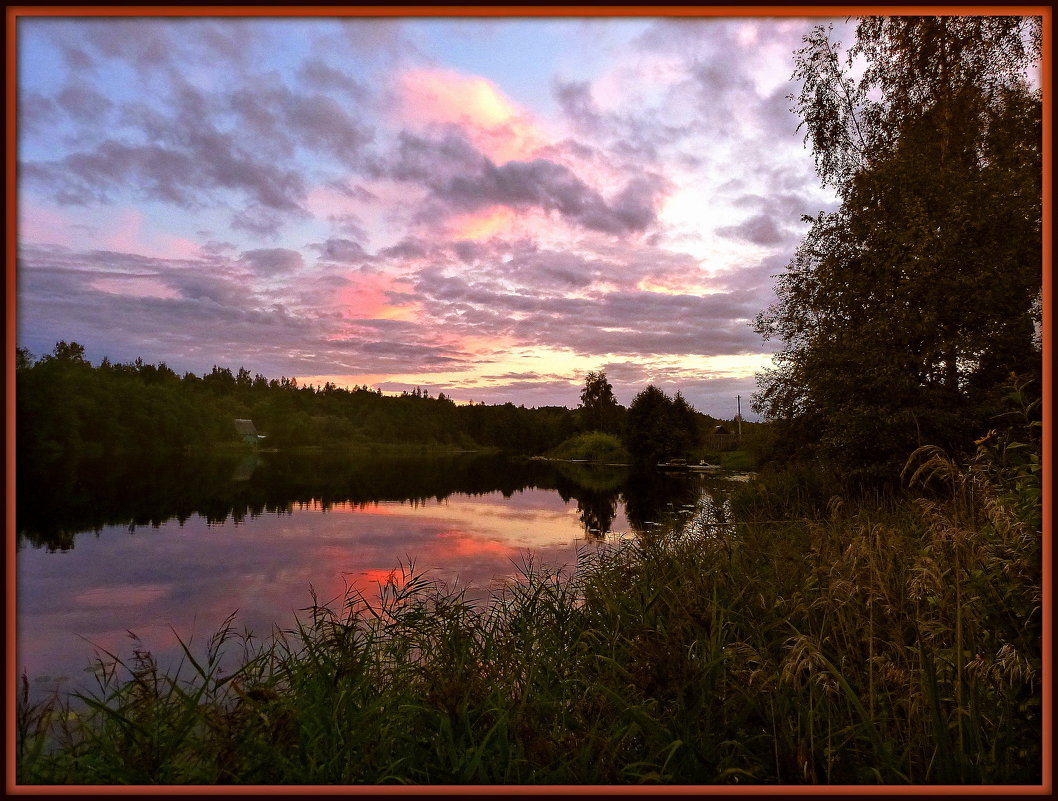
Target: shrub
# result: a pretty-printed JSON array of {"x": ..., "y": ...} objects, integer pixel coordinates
[{"x": 592, "y": 446}]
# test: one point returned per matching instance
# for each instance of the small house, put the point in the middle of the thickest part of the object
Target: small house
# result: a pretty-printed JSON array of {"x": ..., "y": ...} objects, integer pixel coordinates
[
  {"x": 722, "y": 439},
  {"x": 248, "y": 431}
]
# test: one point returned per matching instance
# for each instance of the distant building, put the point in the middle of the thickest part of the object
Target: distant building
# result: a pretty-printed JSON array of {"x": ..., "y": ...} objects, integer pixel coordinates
[
  {"x": 248, "y": 431},
  {"x": 722, "y": 439}
]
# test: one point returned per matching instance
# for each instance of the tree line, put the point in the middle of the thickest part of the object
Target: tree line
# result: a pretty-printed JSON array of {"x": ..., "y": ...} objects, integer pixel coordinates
[{"x": 66, "y": 405}]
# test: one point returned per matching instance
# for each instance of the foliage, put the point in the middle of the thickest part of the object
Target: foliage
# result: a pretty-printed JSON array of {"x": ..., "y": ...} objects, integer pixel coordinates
[
  {"x": 592, "y": 446},
  {"x": 903, "y": 310},
  {"x": 659, "y": 427},
  {"x": 63, "y": 404},
  {"x": 67, "y": 406},
  {"x": 599, "y": 409}
]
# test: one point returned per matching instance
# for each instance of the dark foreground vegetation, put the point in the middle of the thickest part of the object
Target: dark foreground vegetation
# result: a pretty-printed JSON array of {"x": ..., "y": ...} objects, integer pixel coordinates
[{"x": 780, "y": 637}]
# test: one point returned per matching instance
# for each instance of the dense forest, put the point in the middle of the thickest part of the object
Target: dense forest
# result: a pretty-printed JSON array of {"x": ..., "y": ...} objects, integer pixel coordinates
[{"x": 67, "y": 405}]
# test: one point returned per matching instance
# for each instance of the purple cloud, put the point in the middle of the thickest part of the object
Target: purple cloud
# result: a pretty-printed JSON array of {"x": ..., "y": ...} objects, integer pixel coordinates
[
  {"x": 320, "y": 75},
  {"x": 761, "y": 229},
  {"x": 84, "y": 103},
  {"x": 576, "y": 101},
  {"x": 628, "y": 322},
  {"x": 342, "y": 250},
  {"x": 272, "y": 261},
  {"x": 206, "y": 160},
  {"x": 460, "y": 176},
  {"x": 408, "y": 248}
]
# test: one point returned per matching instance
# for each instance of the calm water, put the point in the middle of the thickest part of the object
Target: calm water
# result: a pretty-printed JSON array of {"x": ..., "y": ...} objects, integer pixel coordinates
[{"x": 173, "y": 546}]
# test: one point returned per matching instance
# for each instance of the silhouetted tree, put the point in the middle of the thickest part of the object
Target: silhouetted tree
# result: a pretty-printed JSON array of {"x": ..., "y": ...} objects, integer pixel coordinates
[
  {"x": 904, "y": 310},
  {"x": 69, "y": 352},
  {"x": 599, "y": 409},
  {"x": 65, "y": 405},
  {"x": 685, "y": 421},
  {"x": 23, "y": 359},
  {"x": 658, "y": 427}
]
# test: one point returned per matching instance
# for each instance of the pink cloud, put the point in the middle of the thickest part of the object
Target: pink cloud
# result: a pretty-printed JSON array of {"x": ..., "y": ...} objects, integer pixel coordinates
[
  {"x": 128, "y": 234},
  {"x": 136, "y": 287},
  {"x": 367, "y": 298},
  {"x": 493, "y": 123},
  {"x": 483, "y": 224},
  {"x": 121, "y": 230},
  {"x": 370, "y": 211},
  {"x": 43, "y": 225},
  {"x": 324, "y": 201}
]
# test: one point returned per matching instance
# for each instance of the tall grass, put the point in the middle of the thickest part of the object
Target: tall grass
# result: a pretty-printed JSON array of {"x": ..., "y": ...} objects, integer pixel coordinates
[{"x": 872, "y": 643}]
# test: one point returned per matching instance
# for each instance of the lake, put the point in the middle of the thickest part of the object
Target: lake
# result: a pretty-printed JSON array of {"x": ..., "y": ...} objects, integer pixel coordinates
[{"x": 171, "y": 546}]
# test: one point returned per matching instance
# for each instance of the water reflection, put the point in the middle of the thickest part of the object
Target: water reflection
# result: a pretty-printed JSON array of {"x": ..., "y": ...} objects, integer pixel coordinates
[
  {"x": 599, "y": 488},
  {"x": 173, "y": 546},
  {"x": 656, "y": 499},
  {"x": 59, "y": 499},
  {"x": 244, "y": 469}
]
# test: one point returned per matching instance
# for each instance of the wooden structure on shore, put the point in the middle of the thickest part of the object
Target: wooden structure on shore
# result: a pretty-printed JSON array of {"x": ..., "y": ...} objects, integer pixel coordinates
[
  {"x": 248, "y": 431},
  {"x": 720, "y": 439}
]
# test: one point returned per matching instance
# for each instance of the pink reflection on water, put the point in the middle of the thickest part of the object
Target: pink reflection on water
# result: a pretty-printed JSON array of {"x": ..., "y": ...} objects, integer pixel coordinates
[
  {"x": 185, "y": 580},
  {"x": 128, "y": 596}
]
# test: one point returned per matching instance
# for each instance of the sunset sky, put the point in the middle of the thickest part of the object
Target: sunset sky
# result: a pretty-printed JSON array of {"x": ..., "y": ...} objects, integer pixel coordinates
[{"x": 488, "y": 208}]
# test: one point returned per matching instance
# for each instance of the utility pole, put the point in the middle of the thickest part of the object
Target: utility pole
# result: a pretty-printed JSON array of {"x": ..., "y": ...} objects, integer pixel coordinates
[{"x": 738, "y": 417}]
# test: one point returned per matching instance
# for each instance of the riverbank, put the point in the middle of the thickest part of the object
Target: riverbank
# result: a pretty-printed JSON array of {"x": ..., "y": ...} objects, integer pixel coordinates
[
  {"x": 381, "y": 449},
  {"x": 891, "y": 642}
]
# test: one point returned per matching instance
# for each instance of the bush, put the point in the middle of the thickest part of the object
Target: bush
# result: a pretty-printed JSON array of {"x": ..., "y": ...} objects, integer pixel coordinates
[{"x": 592, "y": 446}]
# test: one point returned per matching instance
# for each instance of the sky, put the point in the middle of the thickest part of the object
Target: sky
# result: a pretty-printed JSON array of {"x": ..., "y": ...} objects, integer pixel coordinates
[{"x": 489, "y": 208}]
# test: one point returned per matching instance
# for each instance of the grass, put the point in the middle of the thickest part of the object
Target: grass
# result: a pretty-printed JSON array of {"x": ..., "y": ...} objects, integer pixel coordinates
[
  {"x": 737, "y": 460},
  {"x": 871, "y": 644}
]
